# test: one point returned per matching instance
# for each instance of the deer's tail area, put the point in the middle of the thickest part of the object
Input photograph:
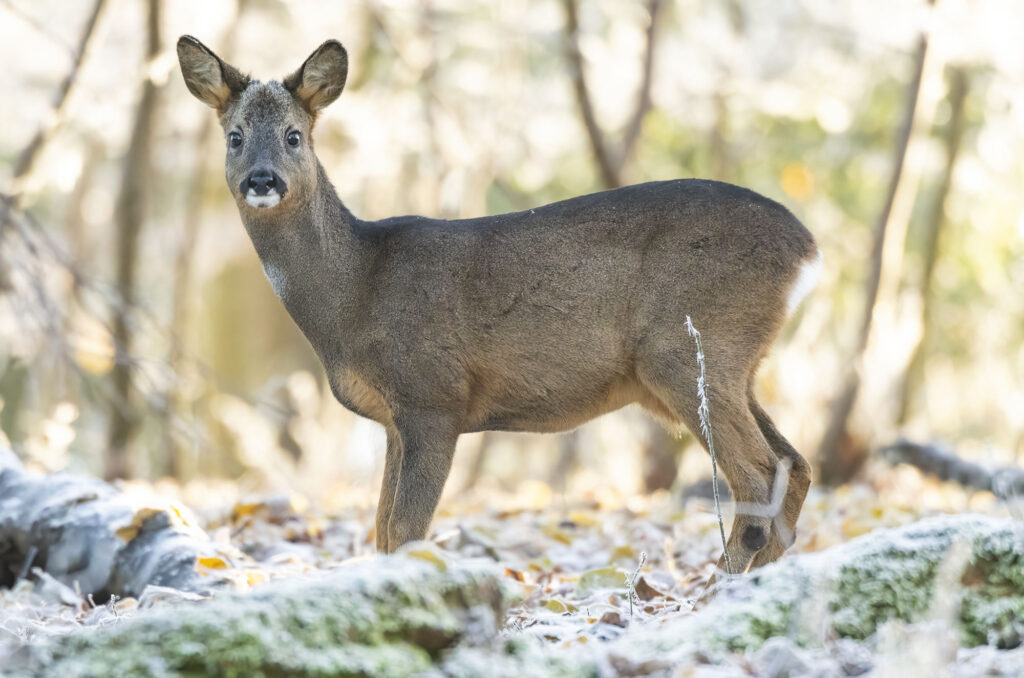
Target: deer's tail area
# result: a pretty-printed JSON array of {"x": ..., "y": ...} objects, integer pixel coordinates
[{"x": 806, "y": 279}]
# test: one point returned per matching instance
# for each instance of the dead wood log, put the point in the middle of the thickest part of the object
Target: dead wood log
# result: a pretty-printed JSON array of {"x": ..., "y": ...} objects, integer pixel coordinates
[
  {"x": 86, "y": 533},
  {"x": 1006, "y": 482},
  {"x": 839, "y": 458}
]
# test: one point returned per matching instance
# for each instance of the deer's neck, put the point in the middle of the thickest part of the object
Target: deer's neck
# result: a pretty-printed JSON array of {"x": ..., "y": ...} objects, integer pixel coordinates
[{"x": 314, "y": 260}]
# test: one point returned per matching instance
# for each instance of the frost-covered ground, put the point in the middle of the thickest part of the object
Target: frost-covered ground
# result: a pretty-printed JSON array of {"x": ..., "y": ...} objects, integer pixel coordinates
[{"x": 592, "y": 573}]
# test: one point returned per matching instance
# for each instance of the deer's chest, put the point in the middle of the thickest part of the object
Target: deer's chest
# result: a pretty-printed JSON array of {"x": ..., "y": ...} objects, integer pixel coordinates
[
  {"x": 359, "y": 396},
  {"x": 277, "y": 278}
]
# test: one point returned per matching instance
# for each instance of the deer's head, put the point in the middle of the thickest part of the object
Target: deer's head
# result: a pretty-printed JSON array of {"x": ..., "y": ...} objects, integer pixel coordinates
[{"x": 267, "y": 125}]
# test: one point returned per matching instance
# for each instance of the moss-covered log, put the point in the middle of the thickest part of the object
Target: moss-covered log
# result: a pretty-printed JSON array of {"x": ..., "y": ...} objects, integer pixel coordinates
[
  {"x": 387, "y": 617},
  {"x": 404, "y": 615},
  {"x": 967, "y": 570}
]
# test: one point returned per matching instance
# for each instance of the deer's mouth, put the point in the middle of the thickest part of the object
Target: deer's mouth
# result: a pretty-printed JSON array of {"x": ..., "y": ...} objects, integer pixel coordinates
[{"x": 268, "y": 199}]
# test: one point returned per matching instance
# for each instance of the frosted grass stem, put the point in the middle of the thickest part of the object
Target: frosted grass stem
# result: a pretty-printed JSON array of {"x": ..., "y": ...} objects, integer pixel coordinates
[{"x": 705, "y": 428}]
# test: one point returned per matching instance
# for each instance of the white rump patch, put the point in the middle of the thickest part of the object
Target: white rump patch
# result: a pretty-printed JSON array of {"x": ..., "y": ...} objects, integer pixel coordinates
[
  {"x": 806, "y": 279},
  {"x": 269, "y": 200}
]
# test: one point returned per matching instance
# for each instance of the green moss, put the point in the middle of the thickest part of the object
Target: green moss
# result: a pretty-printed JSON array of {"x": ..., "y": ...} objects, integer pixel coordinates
[
  {"x": 398, "y": 616},
  {"x": 852, "y": 589},
  {"x": 387, "y": 617}
]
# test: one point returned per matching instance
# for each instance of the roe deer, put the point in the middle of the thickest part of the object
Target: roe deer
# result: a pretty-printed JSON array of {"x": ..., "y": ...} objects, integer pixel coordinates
[{"x": 533, "y": 321}]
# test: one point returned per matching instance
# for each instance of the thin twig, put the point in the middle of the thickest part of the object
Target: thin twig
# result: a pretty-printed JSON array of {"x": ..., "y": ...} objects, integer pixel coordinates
[
  {"x": 631, "y": 583},
  {"x": 704, "y": 413}
]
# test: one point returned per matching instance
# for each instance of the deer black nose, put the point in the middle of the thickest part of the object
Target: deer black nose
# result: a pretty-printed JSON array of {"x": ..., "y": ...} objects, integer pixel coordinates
[{"x": 261, "y": 181}]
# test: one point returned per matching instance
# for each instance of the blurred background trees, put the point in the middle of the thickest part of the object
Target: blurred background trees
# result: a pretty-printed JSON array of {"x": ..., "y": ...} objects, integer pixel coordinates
[{"x": 137, "y": 335}]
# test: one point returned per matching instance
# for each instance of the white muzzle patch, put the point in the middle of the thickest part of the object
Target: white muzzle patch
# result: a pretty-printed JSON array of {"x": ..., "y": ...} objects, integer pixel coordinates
[{"x": 269, "y": 200}]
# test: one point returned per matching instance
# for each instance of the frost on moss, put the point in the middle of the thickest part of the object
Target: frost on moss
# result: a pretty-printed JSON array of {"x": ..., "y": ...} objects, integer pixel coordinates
[
  {"x": 408, "y": 615},
  {"x": 390, "y": 616},
  {"x": 969, "y": 569}
]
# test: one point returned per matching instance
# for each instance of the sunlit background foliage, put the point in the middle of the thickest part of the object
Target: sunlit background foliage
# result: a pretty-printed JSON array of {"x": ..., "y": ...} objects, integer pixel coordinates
[{"x": 464, "y": 108}]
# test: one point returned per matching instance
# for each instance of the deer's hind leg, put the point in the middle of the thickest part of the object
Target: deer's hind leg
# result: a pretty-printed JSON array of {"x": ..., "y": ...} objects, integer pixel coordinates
[
  {"x": 794, "y": 486},
  {"x": 743, "y": 455}
]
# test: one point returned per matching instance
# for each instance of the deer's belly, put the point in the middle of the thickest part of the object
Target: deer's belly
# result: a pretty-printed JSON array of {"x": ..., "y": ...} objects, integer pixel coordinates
[{"x": 545, "y": 410}]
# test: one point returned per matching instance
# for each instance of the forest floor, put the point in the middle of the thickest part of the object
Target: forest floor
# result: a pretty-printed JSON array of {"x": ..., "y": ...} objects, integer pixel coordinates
[{"x": 588, "y": 568}]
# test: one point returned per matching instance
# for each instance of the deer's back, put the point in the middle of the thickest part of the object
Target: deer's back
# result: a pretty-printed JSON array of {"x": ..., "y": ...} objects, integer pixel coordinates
[{"x": 536, "y": 317}]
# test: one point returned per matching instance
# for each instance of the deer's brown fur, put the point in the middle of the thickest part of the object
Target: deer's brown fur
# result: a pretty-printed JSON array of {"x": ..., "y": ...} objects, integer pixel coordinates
[{"x": 532, "y": 321}]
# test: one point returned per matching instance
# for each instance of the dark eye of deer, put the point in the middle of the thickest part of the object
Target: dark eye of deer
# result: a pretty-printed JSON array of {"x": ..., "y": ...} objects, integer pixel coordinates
[
  {"x": 234, "y": 139},
  {"x": 293, "y": 138}
]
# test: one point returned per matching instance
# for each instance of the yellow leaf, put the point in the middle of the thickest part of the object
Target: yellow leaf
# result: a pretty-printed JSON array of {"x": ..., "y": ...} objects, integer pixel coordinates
[
  {"x": 624, "y": 552},
  {"x": 129, "y": 531},
  {"x": 560, "y": 606},
  {"x": 430, "y": 557},
  {"x": 254, "y": 577},
  {"x": 797, "y": 181},
  {"x": 213, "y": 562},
  {"x": 602, "y": 578},
  {"x": 556, "y": 533},
  {"x": 584, "y": 518},
  {"x": 515, "y": 574},
  {"x": 855, "y": 528},
  {"x": 243, "y": 509}
]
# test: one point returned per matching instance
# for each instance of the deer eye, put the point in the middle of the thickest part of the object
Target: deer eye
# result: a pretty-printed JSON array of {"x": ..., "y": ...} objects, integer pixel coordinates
[
  {"x": 293, "y": 138},
  {"x": 234, "y": 139}
]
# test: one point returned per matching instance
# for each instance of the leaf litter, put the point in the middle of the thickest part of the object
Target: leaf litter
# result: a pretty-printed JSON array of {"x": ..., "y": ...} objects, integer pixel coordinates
[{"x": 587, "y": 569}]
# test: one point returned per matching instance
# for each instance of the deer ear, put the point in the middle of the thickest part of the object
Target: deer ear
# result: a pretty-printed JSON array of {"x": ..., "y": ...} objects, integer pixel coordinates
[
  {"x": 210, "y": 80},
  {"x": 319, "y": 80}
]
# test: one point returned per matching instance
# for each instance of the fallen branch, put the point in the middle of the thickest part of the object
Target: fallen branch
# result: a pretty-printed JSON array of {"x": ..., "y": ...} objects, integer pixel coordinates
[{"x": 1006, "y": 482}]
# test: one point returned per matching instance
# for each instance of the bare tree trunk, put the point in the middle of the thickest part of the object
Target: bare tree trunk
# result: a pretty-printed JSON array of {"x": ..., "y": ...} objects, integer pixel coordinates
[
  {"x": 182, "y": 293},
  {"x": 838, "y": 459},
  {"x": 14, "y": 378},
  {"x": 609, "y": 162},
  {"x": 28, "y": 156},
  {"x": 958, "y": 88},
  {"x": 476, "y": 468},
  {"x": 661, "y": 459},
  {"x": 721, "y": 161},
  {"x": 568, "y": 459},
  {"x": 180, "y": 300},
  {"x": 602, "y": 156},
  {"x": 129, "y": 216}
]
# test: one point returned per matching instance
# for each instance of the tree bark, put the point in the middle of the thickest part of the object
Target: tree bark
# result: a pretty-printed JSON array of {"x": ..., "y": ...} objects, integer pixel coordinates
[
  {"x": 28, "y": 156},
  {"x": 182, "y": 293},
  {"x": 958, "y": 88},
  {"x": 838, "y": 458},
  {"x": 129, "y": 217},
  {"x": 659, "y": 466},
  {"x": 609, "y": 162},
  {"x": 13, "y": 380}
]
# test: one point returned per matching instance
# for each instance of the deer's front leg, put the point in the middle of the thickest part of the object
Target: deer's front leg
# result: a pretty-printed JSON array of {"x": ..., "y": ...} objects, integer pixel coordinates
[
  {"x": 388, "y": 489},
  {"x": 428, "y": 444}
]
